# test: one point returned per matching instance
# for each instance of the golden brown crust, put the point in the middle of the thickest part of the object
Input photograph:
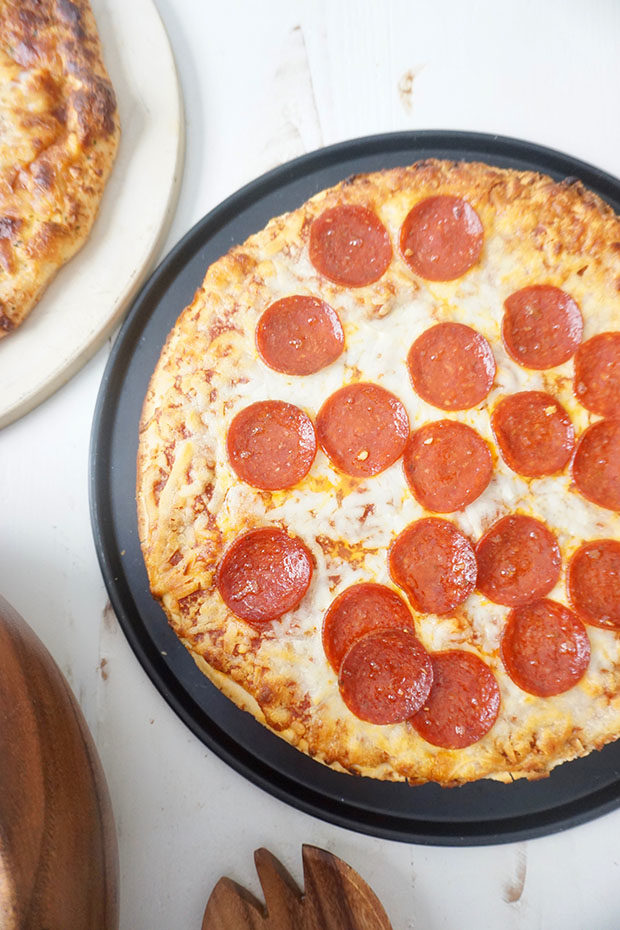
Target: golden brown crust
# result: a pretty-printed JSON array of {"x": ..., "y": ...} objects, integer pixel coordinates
[
  {"x": 59, "y": 137},
  {"x": 190, "y": 505}
]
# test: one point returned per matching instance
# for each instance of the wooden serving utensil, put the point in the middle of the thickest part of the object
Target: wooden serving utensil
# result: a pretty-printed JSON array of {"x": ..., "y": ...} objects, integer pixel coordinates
[
  {"x": 58, "y": 848},
  {"x": 336, "y": 898}
]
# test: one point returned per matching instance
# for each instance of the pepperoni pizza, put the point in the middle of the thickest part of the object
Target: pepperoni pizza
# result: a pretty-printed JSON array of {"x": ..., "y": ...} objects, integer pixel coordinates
[{"x": 379, "y": 474}]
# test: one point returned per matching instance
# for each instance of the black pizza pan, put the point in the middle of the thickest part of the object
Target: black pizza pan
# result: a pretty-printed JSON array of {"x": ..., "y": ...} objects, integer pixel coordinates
[{"x": 480, "y": 813}]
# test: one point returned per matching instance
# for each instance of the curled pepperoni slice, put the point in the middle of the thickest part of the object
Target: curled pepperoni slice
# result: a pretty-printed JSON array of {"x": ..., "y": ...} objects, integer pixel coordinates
[
  {"x": 542, "y": 326},
  {"x": 350, "y": 245},
  {"x": 597, "y": 374},
  {"x": 271, "y": 444},
  {"x": 385, "y": 676},
  {"x": 363, "y": 429},
  {"x": 299, "y": 335},
  {"x": 361, "y": 609},
  {"x": 447, "y": 465},
  {"x": 594, "y": 583},
  {"x": 434, "y": 564},
  {"x": 596, "y": 466},
  {"x": 441, "y": 238},
  {"x": 545, "y": 648},
  {"x": 451, "y": 366},
  {"x": 263, "y": 574},
  {"x": 463, "y": 703},
  {"x": 534, "y": 433},
  {"x": 518, "y": 560}
]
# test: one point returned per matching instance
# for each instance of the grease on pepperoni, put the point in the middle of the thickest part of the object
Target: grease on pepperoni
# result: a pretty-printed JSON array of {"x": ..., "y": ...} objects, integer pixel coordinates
[
  {"x": 594, "y": 583},
  {"x": 350, "y": 245},
  {"x": 596, "y": 466},
  {"x": 534, "y": 433},
  {"x": 463, "y": 702},
  {"x": 271, "y": 444},
  {"x": 451, "y": 366},
  {"x": 447, "y": 465},
  {"x": 597, "y": 374},
  {"x": 299, "y": 335},
  {"x": 518, "y": 560},
  {"x": 363, "y": 429},
  {"x": 441, "y": 237},
  {"x": 434, "y": 563},
  {"x": 264, "y": 573},
  {"x": 545, "y": 648},
  {"x": 542, "y": 326},
  {"x": 385, "y": 676},
  {"x": 361, "y": 609}
]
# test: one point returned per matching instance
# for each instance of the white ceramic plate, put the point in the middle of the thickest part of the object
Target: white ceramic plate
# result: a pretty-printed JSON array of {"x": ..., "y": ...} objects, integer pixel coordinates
[{"x": 90, "y": 294}]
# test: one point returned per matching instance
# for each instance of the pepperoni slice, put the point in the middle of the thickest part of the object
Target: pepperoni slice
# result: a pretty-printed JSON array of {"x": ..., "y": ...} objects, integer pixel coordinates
[
  {"x": 451, "y": 366},
  {"x": 434, "y": 564},
  {"x": 361, "y": 609},
  {"x": 463, "y": 703},
  {"x": 363, "y": 429},
  {"x": 596, "y": 466},
  {"x": 350, "y": 245},
  {"x": 542, "y": 326},
  {"x": 545, "y": 648},
  {"x": 441, "y": 238},
  {"x": 594, "y": 583},
  {"x": 534, "y": 433},
  {"x": 447, "y": 465},
  {"x": 386, "y": 676},
  {"x": 263, "y": 574},
  {"x": 299, "y": 335},
  {"x": 518, "y": 560},
  {"x": 597, "y": 374},
  {"x": 271, "y": 444}
]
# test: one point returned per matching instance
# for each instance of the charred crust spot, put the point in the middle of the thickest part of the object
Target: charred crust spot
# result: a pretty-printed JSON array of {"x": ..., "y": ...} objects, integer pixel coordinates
[
  {"x": 72, "y": 16},
  {"x": 46, "y": 239},
  {"x": 10, "y": 227},
  {"x": 94, "y": 104},
  {"x": 6, "y": 324},
  {"x": 43, "y": 174},
  {"x": 7, "y": 260}
]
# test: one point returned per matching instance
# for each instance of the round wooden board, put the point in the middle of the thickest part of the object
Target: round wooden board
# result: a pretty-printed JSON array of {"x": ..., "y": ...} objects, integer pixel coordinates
[{"x": 90, "y": 294}]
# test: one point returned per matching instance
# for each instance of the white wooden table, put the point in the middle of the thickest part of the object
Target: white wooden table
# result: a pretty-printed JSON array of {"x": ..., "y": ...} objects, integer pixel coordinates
[{"x": 264, "y": 82}]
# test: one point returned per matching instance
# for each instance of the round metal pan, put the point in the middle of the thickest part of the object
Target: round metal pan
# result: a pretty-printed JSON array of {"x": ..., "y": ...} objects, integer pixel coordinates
[{"x": 479, "y": 813}]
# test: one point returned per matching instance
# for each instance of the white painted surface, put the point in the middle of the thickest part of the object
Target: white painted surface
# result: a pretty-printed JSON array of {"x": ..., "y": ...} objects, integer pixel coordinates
[
  {"x": 262, "y": 83},
  {"x": 92, "y": 292}
]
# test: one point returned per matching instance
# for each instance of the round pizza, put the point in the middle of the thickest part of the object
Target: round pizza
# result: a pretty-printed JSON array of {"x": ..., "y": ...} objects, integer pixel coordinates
[{"x": 379, "y": 474}]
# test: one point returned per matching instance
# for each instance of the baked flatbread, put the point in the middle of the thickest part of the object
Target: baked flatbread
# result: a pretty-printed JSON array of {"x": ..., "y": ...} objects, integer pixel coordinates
[{"x": 59, "y": 133}]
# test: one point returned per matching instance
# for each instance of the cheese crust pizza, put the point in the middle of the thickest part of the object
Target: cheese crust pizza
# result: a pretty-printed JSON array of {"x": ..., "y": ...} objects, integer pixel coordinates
[
  {"x": 59, "y": 133},
  {"x": 378, "y": 477}
]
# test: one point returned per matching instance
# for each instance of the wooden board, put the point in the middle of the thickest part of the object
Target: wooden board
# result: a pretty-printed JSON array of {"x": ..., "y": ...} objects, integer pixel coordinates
[
  {"x": 90, "y": 294},
  {"x": 335, "y": 898}
]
